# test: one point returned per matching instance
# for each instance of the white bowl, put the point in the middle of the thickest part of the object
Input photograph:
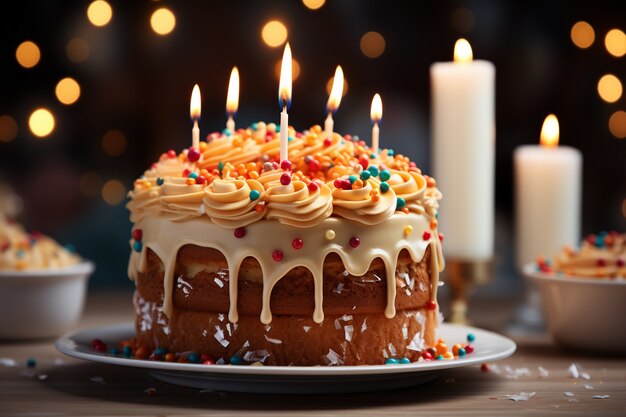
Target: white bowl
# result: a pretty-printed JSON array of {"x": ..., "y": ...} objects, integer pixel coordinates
[
  {"x": 44, "y": 303},
  {"x": 583, "y": 313}
]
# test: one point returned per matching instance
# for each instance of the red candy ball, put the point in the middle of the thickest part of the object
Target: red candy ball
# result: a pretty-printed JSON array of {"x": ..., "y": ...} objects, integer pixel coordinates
[
  {"x": 619, "y": 262},
  {"x": 277, "y": 255},
  {"x": 441, "y": 237},
  {"x": 427, "y": 356},
  {"x": 285, "y": 179},
  {"x": 297, "y": 243},
  {"x": 431, "y": 305},
  {"x": 98, "y": 345},
  {"x": 355, "y": 242},
  {"x": 286, "y": 165},
  {"x": 171, "y": 153},
  {"x": 200, "y": 180},
  {"x": 426, "y": 235},
  {"x": 137, "y": 234},
  {"x": 313, "y": 187},
  {"x": 327, "y": 142},
  {"x": 338, "y": 183},
  {"x": 314, "y": 166},
  {"x": 193, "y": 155},
  {"x": 601, "y": 262},
  {"x": 469, "y": 349},
  {"x": 239, "y": 232}
]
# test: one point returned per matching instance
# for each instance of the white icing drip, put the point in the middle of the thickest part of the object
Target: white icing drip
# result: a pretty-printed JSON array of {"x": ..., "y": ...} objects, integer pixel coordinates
[{"x": 385, "y": 241}]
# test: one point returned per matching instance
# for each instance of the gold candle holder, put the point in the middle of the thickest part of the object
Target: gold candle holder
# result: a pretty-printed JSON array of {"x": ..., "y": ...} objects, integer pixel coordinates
[{"x": 460, "y": 277}]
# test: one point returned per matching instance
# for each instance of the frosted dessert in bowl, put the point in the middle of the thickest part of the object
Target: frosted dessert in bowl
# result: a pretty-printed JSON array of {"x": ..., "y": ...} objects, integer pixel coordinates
[
  {"x": 42, "y": 284},
  {"x": 584, "y": 293}
]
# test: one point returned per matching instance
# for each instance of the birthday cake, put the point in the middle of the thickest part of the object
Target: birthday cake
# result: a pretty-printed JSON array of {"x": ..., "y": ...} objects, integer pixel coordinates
[{"x": 331, "y": 257}]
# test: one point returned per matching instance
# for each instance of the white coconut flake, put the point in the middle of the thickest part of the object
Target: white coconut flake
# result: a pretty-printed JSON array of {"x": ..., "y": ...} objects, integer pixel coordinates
[
  {"x": 230, "y": 333},
  {"x": 587, "y": 386},
  {"x": 407, "y": 291},
  {"x": 272, "y": 340},
  {"x": 205, "y": 333},
  {"x": 306, "y": 328},
  {"x": 220, "y": 361},
  {"x": 522, "y": 396},
  {"x": 219, "y": 336},
  {"x": 348, "y": 330},
  {"x": 42, "y": 377},
  {"x": 364, "y": 325},
  {"x": 267, "y": 328},
  {"x": 585, "y": 375},
  {"x": 185, "y": 286},
  {"x": 569, "y": 394},
  {"x": 573, "y": 371},
  {"x": 201, "y": 209},
  {"x": 600, "y": 397},
  {"x": 256, "y": 356},
  {"x": 97, "y": 380},
  {"x": 220, "y": 317},
  {"x": 339, "y": 288},
  {"x": 59, "y": 362},
  {"x": 392, "y": 350},
  {"x": 543, "y": 372},
  {"x": 346, "y": 317},
  {"x": 417, "y": 344},
  {"x": 8, "y": 362},
  {"x": 333, "y": 358},
  {"x": 337, "y": 324},
  {"x": 219, "y": 282},
  {"x": 166, "y": 330},
  {"x": 405, "y": 332},
  {"x": 385, "y": 354}
]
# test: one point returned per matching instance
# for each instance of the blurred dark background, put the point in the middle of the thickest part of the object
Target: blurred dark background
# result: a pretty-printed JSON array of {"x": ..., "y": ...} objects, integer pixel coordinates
[{"x": 135, "y": 87}]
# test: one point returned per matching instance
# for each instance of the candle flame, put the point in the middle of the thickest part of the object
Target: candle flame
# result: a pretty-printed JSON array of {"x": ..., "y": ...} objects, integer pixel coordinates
[
  {"x": 194, "y": 107},
  {"x": 232, "y": 98},
  {"x": 550, "y": 132},
  {"x": 284, "y": 87},
  {"x": 376, "y": 112},
  {"x": 336, "y": 91},
  {"x": 463, "y": 51}
]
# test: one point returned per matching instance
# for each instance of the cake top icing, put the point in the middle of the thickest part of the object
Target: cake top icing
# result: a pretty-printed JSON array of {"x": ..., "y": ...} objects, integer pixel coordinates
[
  {"x": 235, "y": 179},
  {"x": 599, "y": 256},
  {"x": 21, "y": 251}
]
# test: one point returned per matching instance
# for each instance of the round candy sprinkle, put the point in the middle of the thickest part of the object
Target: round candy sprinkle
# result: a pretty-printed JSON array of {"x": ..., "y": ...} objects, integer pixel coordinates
[
  {"x": 373, "y": 169},
  {"x": 355, "y": 242},
  {"x": 193, "y": 175},
  {"x": 484, "y": 367},
  {"x": 236, "y": 360},
  {"x": 277, "y": 255},
  {"x": 193, "y": 357},
  {"x": 170, "y": 357},
  {"x": 385, "y": 175},
  {"x": 619, "y": 262},
  {"x": 297, "y": 244},
  {"x": 137, "y": 234},
  {"x": 314, "y": 165},
  {"x": 455, "y": 349},
  {"x": 352, "y": 178},
  {"x": 405, "y": 361},
  {"x": 390, "y": 152},
  {"x": 286, "y": 165},
  {"x": 431, "y": 305},
  {"x": 439, "y": 357},
  {"x": 384, "y": 187},
  {"x": 313, "y": 187},
  {"x": 114, "y": 351},
  {"x": 171, "y": 153},
  {"x": 200, "y": 180},
  {"x": 193, "y": 155},
  {"x": 391, "y": 361},
  {"x": 160, "y": 351},
  {"x": 448, "y": 355},
  {"x": 462, "y": 352},
  {"x": 142, "y": 353},
  {"x": 365, "y": 175},
  {"x": 400, "y": 203},
  {"x": 208, "y": 362},
  {"x": 160, "y": 181},
  {"x": 137, "y": 246},
  {"x": 31, "y": 362},
  {"x": 471, "y": 337},
  {"x": 327, "y": 142},
  {"x": 239, "y": 232},
  {"x": 285, "y": 179},
  {"x": 408, "y": 229},
  {"x": 330, "y": 234},
  {"x": 220, "y": 166},
  {"x": 127, "y": 351},
  {"x": 469, "y": 349},
  {"x": 427, "y": 356},
  {"x": 441, "y": 237},
  {"x": 257, "y": 363},
  {"x": 426, "y": 235},
  {"x": 254, "y": 195},
  {"x": 601, "y": 262}
]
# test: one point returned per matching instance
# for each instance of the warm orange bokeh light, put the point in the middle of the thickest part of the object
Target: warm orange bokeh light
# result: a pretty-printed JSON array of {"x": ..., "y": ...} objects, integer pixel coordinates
[
  {"x": 274, "y": 33},
  {"x": 28, "y": 54},
  {"x": 372, "y": 44},
  {"x": 582, "y": 35}
]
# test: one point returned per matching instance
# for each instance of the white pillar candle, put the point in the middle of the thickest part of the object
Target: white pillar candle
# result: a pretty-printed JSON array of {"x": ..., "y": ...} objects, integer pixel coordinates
[
  {"x": 463, "y": 128},
  {"x": 284, "y": 100},
  {"x": 547, "y": 194}
]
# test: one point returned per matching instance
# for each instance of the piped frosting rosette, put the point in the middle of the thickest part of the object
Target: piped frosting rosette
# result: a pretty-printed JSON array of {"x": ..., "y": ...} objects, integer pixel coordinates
[
  {"x": 296, "y": 203},
  {"x": 231, "y": 202},
  {"x": 181, "y": 201},
  {"x": 368, "y": 204},
  {"x": 410, "y": 186},
  {"x": 432, "y": 195}
]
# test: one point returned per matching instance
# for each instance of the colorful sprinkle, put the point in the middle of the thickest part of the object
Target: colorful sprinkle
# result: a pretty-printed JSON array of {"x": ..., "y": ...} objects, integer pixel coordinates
[
  {"x": 471, "y": 337},
  {"x": 254, "y": 195},
  {"x": 373, "y": 169},
  {"x": 313, "y": 187},
  {"x": 391, "y": 361},
  {"x": 355, "y": 242},
  {"x": 127, "y": 351},
  {"x": 441, "y": 237},
  {"x": 431, "y": 305},
  {"x": 405, "y": 361},
  {"x": 385, "y": 175},
  {"x": 239, "y": 232},
  {"x": 277, "y": 255},
  {"x": 330, "y": 234},
  {"x": 286, "y": 165},
  {"x": 365, "y": 175},
  {"x": 433, "y": 224},
  {"x": 193, "y": 155},
  {"x": 160, "y": 181},
  {"x": 462, "y": 352},
  {"x": 236, "y": 360},
  {"x": 400, "y": 203},
  {"x": 469, "y": 349},
  {"x": 201, "y": 179},
  {"x": 137, "y": 234},
  {"x": 427, "y": 356},
  {"x": 297, "y": 244},
  {"x": 193, "y": 175},
  {"x": 384, "y": 187},
  {"x": 171, "y": 153},
  {"x": 285, "y": 179},
  {"x": 448, "y": 355},
  {"x": 193, "y": 357},
  {"x": 439, "y": 358},
  {"x": 426, "y": 235},
  {"x": 31, "y": 362},
  {"x": 352, "y": 178},
  {"x": 408, "y": 229},
  {"x": 137, "y": 246},
  {"x": 327, "y": 142}
]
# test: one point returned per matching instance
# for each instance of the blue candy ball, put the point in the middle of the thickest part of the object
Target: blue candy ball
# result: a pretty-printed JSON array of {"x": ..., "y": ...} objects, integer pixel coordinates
[
  {"x": 391, "y": 361},
  {"x": 405, "y": 361},
  {"x": 236, "y": 360}
]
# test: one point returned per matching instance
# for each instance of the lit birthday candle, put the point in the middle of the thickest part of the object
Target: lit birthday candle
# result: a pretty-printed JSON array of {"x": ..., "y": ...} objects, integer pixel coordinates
[
  {"x": 194, "y": 111},
  {"x": 333, "y": 100},
  {"x": 232, "y": 99},
  {"x": 376, "y": 113},
  {"x": 284, "y": 101}
]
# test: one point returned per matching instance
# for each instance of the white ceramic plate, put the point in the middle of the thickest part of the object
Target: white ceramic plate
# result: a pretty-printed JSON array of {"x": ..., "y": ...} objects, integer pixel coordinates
[{"x": 292, "y": 379}]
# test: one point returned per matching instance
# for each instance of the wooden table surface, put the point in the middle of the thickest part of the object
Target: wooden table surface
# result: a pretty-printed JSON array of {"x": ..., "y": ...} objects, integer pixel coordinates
[{"x": 60, "y": 386}]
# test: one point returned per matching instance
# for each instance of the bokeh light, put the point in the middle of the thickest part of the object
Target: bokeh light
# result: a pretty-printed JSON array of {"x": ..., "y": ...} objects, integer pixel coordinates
[
  {"x": 99, "y": 13},
  {"x": 295, "y": 69},
  {"x": 463, "y": 20},
  {"x": 617, "y": 124},
  {"x": 89, "y": 184},
  {"x": 329, "y": 86},
  {"x": 582, "y": 34},
  {"x": 313, "y": 4},
  {"x": 609, "y": 88},
  {"x": 28, "y": 54},
  {"x": 77, "y": 50},
  {"x": 274, "y": 33},
  {"x": 163, "y": 21},
  {"x": 372, "y": 44},
  {"x": 615, "y": 43},
  {"x": 114, "y": 143},
  {"x": 67, "y": 91},
  {"x": 113, "y": 192},
  {"x": 41, "y": 122},
  {"x": 8, "y": 128}
]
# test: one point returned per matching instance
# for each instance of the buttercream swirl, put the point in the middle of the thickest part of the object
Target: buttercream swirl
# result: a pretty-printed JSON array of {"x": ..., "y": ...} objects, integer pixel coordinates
[
  {"x": 228, "y": 202},
  {"x": 368, "y": 204},
  {"x": 599, "y": 256},
  {"x": 181, "y": 201},
  {"x": 409, "y": 186}
]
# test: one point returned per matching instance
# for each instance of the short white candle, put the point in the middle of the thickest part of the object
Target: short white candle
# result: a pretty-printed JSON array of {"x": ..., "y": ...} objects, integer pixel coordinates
[
  {"x": 334, "y": 100},
  {"x": 284, "y": 100},
  {"x": 232, "y": 99},
  {"x": 463, "y": 128},
  {"x": 376, "y": 113},
  {"x": 194, "y": 112},
  {"x": 547, "y": 194}
]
